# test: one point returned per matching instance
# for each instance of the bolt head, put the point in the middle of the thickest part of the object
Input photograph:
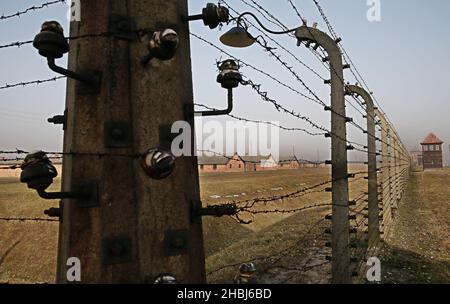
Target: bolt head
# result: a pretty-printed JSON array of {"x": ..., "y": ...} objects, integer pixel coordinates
[
  {"x": 118, "y": 134},
  {"x": 247, "y": 269},
  {"x": 164, "y": 44},
  {"x": 177, "y": 242},
  {"x": 158, "y": 163},
  {"x": 117, "y": 249},
  {"x": 165, "y": 279}
]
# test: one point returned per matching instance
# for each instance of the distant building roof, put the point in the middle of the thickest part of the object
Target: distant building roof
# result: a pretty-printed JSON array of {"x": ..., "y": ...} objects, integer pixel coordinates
[
  {"x": 287, "y": 159},
  {"x": 431, "y": 139},
  {"x": 213, "y": 160},
  {"x": 308, "y": 162},
  {"x": 254, "y": 159}
]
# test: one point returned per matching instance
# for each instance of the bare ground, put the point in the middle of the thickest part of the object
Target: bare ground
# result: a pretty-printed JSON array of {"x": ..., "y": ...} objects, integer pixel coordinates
[{"x": 418, "y": 247}]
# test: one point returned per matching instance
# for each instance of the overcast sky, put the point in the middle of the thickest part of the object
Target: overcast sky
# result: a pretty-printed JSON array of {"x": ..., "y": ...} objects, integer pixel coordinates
[{"x": 403, "y": 58}]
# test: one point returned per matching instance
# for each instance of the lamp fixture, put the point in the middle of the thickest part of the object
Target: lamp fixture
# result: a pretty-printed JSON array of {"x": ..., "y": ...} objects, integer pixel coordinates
[{"x": 239, "y": 37}]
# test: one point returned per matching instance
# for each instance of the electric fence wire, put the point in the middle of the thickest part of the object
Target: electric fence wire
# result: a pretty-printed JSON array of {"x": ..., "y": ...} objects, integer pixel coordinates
[
  {"x": 27, "y": 83},
  {"x": 270, "y": 50},
  {"x": 31, "y": 9}
]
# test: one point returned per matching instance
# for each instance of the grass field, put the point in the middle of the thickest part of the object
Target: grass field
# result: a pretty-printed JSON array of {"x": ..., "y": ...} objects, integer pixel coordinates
[
  {"x": 286, "y": 248},
  {"x": 418, "y": 249}
]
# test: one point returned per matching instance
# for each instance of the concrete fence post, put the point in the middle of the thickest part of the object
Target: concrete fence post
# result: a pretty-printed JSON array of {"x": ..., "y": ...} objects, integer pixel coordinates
[
  {"x": 340, "y": 196},
  {"x": 374, "y": 209},
  {"x": 385, "y": 172}
]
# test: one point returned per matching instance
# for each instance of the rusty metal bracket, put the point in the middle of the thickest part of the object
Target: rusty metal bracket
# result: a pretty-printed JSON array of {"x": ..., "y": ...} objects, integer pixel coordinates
[
  {"x": 176, "y": 242},
  {"x": 89, "y": 191},
  {"x": 117, "y": 134},
  {"x": 166, "y": 136},
  {"x": 59, "y": 120},
  {"x": 188, "y": 111},
  {"x": 85, "y": 194},
  {"x": 216, "y": 211},
  {"x": 116, "y": 250},
  {"x": 122, "y": 27},
  {"x": 90, "y": 89},
  {"x": 89, "y": 81}
]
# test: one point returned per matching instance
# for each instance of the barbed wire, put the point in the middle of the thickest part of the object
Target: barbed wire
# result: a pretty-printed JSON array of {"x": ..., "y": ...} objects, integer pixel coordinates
[
  {"x": 13, "y": 167},
  {"x": 15, "y": 44},
  {"x": 276, "y": 254},
  {"x": 279, "y": 107},
  {"x": 339, "y": 44},
  {"x": 285, "y": 211},
  {"x": 27, "y": 219},
  {"x": 255, "y": 7},
  {"x": 294, "y": 247},
  {"x": 271, "y": 51},
  {"x": 275, "y": 42},
  {"x": 138, "y": 32},
  {"x": 355, "y": 72},
  {"x": 250, "y": 203},
  {"x": 242, "y": 62},
  {"x": 261, "y": 10},
  {"x": 262, "y": 122},
  {"x": 317, "y": 99},
  {"x": 30, "y": 9},
  {"x": 37, "y": 82}
]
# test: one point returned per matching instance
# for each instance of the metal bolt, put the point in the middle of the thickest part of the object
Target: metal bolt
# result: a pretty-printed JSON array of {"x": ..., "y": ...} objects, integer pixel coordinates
[
  {"x": 53, "y": 212},
  {"x": 118, "y": 134},
  {"x": 117, "y": 249},
  {"x": 158, "y": 164},
  {"x": 165, "y": 279},
  {"x": 177, "y": 242},
  {"x": 246, "y": 274}
]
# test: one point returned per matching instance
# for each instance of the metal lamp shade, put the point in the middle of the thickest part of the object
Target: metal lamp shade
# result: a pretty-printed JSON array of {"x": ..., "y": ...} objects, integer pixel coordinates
[{"x": 237, "y": 37}]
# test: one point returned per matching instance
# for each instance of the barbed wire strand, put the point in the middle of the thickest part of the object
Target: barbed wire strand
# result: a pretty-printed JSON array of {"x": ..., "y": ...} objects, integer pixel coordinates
[
  {"x": 37, "y": 82},
  {"x": 31, "y": 9}
]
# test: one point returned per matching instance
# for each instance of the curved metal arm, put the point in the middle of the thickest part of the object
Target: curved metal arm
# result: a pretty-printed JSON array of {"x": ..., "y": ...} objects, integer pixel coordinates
[
  {"x": 57, "y": 195},
  {"x": 85, "y": 78},
  {"x": 220, "y": 112},
  {"x": 84, "y": 191},
  {"x": 262, "y": 25}
]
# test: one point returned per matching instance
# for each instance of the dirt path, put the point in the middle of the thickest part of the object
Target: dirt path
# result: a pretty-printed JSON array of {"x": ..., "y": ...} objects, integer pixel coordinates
[{"x": 418, "y": 248}]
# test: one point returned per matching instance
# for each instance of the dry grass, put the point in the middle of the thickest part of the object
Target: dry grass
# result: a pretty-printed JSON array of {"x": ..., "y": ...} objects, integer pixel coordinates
[
  {"x": 274, "y": 233},
  {"x": 28, "y": 250}
]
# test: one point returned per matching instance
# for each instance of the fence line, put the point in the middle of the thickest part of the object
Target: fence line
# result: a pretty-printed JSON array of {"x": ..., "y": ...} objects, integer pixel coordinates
[{"x": 394, "y": 173}]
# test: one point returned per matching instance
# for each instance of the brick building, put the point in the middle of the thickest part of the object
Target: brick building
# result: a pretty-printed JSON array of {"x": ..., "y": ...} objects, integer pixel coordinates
[
  {"x": 290, "y": 162},
  {"x": 236, "y": 163},
  {"x": 259, "y": 163},
  {"x": 208, "y": 164},
  {"x": 432, "y": 152}
]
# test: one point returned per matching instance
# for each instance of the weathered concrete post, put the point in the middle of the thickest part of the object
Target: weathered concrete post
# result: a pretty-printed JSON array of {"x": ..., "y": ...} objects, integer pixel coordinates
[
  {"x": 386, "y": 172},
  {"x": 374, "y": 209},
  {"x": 397, "y": 171},
  {"x": 340, "y": 196},
  {"x": 138, "y": 226}
]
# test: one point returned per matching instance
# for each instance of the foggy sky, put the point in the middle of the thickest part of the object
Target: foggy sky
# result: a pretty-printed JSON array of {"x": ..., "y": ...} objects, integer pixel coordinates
[{"x": 404, "y": 59}]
